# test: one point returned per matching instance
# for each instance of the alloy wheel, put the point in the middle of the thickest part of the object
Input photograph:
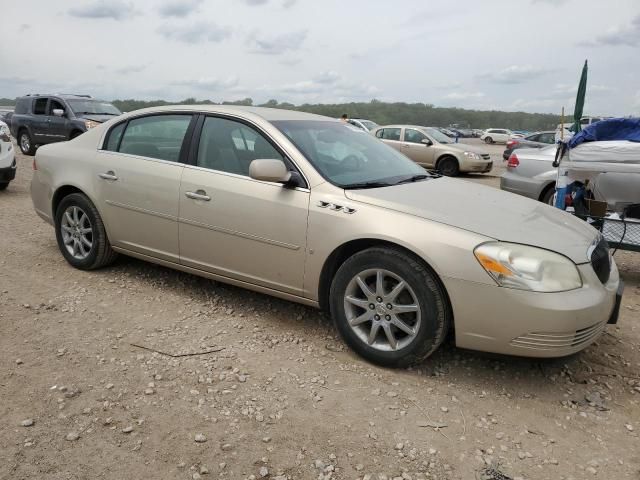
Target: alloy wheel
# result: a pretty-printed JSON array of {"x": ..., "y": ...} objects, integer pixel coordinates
[
  {"x": 382, "y": 309},
  {"x": 25, "y": 142},
  {"x": 77, "y": 232}
]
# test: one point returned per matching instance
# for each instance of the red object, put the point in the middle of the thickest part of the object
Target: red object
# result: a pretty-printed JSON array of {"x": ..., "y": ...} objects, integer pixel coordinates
[
  {"x": 511, "y": 143},
  {"x": 513, "y": 161}
]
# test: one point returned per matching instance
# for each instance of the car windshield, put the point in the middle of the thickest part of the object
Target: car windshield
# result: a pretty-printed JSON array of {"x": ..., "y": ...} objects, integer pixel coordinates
[
  {"x": 95, "y": 107},
  {"x": 437, "y": 135},
  {"x": 349, "y": 157}
]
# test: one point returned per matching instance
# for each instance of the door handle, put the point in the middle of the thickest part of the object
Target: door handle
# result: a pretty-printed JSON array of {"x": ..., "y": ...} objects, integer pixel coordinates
[
  {"x": 198, "y": 195},
  {"x": 108, "y": 176}
]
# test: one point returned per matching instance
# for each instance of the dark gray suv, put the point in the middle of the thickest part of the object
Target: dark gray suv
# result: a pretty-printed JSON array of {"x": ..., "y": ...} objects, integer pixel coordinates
[{"x": 40, "y": 119}]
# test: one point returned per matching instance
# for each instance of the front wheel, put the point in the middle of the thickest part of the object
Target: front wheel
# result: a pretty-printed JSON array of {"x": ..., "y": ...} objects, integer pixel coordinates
[
  {"x": 389, "y": 307},
  {"x": 449, "y": 167},
  {"x": 549, "y": 196},
  {"x": 82, "y": 238}
]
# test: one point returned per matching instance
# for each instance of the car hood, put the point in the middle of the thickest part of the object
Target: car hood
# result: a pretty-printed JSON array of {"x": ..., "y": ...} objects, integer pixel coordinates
[
  {"x": 487, "y": 211},
  {"x": 97, "y": 118}
]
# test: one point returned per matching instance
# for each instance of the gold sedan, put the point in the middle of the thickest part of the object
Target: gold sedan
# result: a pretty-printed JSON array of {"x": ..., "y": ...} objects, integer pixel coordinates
[{"x": 309, "y": 209}]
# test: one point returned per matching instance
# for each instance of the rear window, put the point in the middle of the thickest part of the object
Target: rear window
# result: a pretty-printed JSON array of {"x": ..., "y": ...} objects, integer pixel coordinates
[{"x": 22, "y": 105}]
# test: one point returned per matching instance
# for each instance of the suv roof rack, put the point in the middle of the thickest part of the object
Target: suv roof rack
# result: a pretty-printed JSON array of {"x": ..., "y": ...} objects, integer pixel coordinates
[{"x": 60, "y": 94}]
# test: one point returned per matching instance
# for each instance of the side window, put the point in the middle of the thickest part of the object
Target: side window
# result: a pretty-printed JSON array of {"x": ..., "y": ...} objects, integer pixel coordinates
[
  {"x": 22, "y": 106},
  {"x": 534, "y": 138},
  {"x": 547, "y": 138},
  {"x": 114, "y": 137},
  {"x": 53, "y": 105},
  {"x": 230, "y": 146},
  {"x": 156, "y": 136},
  {"x": 40, "y": 106},
  {"x": 413, "y": 136},
  {"x": 391, "y": 134}
]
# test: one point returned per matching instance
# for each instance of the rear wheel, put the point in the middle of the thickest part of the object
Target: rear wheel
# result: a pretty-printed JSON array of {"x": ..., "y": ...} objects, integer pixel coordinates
[
  {"x": 389, "y": 307},
  {"x": 4, "y": 185},
  {"x": 26, "y": 145},
  {"x": 549, "y": 196},
  {"x": 82, "y": 238},
  {"x": 448, "y": 166},
  {"x": 488, "y": 140}
]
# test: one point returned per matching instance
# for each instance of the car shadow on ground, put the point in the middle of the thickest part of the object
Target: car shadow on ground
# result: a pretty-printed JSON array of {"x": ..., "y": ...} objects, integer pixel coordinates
[{"x": 498, "y": 374}]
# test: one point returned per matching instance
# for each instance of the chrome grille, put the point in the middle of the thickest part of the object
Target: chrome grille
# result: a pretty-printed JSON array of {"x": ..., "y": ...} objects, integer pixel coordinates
[{"x": 557, "y": 341}]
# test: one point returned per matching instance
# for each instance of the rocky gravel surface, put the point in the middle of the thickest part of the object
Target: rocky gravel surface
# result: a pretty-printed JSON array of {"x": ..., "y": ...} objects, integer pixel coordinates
[{"x": 138, "y": 371}]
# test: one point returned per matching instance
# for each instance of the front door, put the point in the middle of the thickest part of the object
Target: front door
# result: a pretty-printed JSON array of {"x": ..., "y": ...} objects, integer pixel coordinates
[
  {"x": 137, "y": 178},
  {"x": 237, "y": 227},
  {"x": 58, "y": 126},
  {"x": 414, "y": 148}
]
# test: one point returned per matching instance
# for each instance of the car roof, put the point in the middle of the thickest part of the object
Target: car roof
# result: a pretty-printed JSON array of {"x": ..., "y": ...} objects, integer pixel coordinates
[
  {"x": 59, "y": 95},
  {"x": 269, "y": 114}
]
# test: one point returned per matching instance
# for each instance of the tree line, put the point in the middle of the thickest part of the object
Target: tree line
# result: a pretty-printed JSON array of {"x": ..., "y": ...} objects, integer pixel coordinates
[{"x": 383, "y": 113}]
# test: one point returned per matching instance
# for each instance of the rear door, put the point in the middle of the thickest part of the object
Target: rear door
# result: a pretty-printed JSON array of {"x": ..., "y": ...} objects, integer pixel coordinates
[
  {"x": 40, "y": 121},
  {"x": 137, "y": 179},
  {"x": 233, "y": 225},
  {"x": 391, "y": 136},
  {"x": 417, "y": 151},
  {"x": 58, "y": 129}
]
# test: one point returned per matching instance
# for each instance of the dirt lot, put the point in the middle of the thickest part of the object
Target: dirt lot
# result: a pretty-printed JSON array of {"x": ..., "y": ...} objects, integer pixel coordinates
[{"x": 283, "y": 398}]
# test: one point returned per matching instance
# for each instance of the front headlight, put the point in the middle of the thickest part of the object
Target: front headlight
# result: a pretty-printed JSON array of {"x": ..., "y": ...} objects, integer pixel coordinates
[
  {"x": 90, "y": 124},
  {"x": 5, "y": 134},
  {"x": 472, "y": 156},
  {"x": 528, "y": 268}
]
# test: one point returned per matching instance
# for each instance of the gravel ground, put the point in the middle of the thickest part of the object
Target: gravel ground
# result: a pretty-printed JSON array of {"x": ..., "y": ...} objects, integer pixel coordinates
[{"x": 84, "y": 394}]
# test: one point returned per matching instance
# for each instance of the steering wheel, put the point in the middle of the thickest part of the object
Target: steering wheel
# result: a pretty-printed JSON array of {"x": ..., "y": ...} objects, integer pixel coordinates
[{"x": 352, "y": 162}]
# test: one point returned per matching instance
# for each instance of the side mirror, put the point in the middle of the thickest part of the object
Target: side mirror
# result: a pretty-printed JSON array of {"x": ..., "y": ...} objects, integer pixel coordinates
[
  {"x": 269, "y": 170},
  {"x": 58, "y": 112},
  {"x": 427, "y": 142}
]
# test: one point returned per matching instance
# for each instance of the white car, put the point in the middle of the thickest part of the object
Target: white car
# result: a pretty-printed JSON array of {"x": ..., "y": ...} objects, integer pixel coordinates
[
  {"x": 366, "y": 125},
  {"x": 496, "y": 135},
  {"x": 7, "y": 157}
]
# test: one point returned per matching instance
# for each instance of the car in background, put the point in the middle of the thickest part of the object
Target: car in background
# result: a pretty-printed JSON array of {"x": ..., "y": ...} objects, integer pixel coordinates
[
  {"x": 300, "y": 207},
  {"x": 7, "y": 157},
  {"x": 530, "y": 173},
  {"x": 41, "y": 119},
  {"x": 536, "y": 140},
  {"x": 496, "y": 135},
  {"x": 446, "y": 131},
  {"x": 477, "y": 133},
  {"x": 5, "y": 115},
  {"x": 432, "y": 149},
  {"x": 366, "y": 125}
]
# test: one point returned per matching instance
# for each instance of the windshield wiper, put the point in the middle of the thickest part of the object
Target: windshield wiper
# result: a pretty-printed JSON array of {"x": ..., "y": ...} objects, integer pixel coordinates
[
  {"x": 415, "y": 178},
  {"x": 355, "y": 186}
]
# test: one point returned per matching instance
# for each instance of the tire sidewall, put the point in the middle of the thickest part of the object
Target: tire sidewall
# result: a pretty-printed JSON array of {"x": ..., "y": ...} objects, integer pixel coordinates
[
  {"x": 488, "y": 140},
  {"x": 25, "y": 152},
  {"x": 87, "y": 207},
  {"x": 449, "y": 160},
  {"x": 429, "y": 298}
]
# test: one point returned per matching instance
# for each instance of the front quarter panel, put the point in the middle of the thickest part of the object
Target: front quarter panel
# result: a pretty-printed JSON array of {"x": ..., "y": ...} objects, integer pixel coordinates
[{"x": 448, "y": 250}]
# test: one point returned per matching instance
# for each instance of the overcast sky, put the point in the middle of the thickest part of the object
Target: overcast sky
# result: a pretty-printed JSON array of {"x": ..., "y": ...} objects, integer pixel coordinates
[{"x": 493, "y": 54}]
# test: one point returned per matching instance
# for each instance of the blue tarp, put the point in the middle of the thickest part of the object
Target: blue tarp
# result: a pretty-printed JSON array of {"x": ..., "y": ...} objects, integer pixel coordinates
[{"x": 612, "y": 129}]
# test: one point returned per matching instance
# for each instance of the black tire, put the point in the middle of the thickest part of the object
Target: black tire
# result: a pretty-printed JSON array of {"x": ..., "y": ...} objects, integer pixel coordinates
[
  {"x": 448, "y": 166},
  {"x": 430, "y": 295},
  {"x": 26, "y": 143},
  {"x": 547, "y": 195},
  {"x": 100, "y": 253},
  {"x": 4, "y": 185},
  {"x": 488, "y": 140}
]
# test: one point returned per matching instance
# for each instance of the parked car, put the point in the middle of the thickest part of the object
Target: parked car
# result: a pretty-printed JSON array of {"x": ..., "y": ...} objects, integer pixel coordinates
[
  {"x": 536, "y": 140},
  {"x": 7, "y": 157},
  {"x": 5, "y": 115},
  {"x": 430, "y": 148},
  {"x": 366, "y": 125},
  {"x": 530, "y": 173},
  {"x": 297, "y": 206},
  {"x": 477, "y": 133},
  {"x": 41, "y": 119},
  {"x": 496, "y": 135},
  {"x": 446, "y": 131}
]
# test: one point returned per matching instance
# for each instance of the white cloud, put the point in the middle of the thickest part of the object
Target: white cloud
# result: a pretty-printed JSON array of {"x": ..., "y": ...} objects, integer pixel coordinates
[
  {"x": 209, "y": 83},
  {"x": 514, "y": 74},
  {"x": 464, "y": 95},
  {"x": 115, "y": 10},
  {"x": 276, "y": 44},
  {"x": 178, "y": 8},
  {"x": 627, "y": 35},
  {"x": 197, "y": 32}
]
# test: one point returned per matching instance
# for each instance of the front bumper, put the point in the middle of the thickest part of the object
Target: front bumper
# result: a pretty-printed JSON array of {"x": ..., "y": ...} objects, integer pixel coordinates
[
  {"x": 8, "y": 173},
  {"x": 517, "y": 322},
  {"x": 477, "y": 166}
]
